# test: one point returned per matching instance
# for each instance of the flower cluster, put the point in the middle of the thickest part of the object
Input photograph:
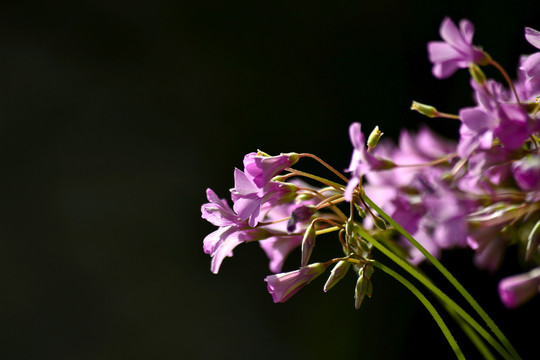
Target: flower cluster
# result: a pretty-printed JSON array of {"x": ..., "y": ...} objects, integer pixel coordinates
[{"x": 481, "y": 192}]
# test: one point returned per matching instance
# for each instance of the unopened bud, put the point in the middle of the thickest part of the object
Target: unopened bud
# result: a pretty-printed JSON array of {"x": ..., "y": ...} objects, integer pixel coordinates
[
  {"x": 380, "y": 223},
  {"x": 477, "y": 74},
  {"x": 362, "y": 289},
  {"x": 423, "y": 109},
  {"x": 360, "y": 210},
  {"x": 338, "y": 272},
  {"x": 308, "y": 243},
  {"x": 374, "y": 137},
  {"x": 293, "y": 158}
]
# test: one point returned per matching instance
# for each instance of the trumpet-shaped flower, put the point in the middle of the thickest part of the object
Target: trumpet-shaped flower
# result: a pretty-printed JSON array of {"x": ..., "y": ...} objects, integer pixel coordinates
[
  {"x": 516, "y": 290},
  {"x": 283, "y": 286},
  {"x": 260, "y": 169}
]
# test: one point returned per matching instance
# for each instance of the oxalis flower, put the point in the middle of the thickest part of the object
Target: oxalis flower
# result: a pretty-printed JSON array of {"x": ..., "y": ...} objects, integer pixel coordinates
[
  {"x": 248, "y": 198},
  {"x": 231, "y": 232},
  {"x": 456, "y": 51},
  {"x": 261, "y": 168},
  {"x": 283, "y": 286},
  {"x": 516, "y": 290}
]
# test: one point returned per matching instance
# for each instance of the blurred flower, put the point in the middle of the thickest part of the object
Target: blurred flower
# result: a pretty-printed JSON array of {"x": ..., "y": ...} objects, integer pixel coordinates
[
  {"x": 516, "y": 290},
  {"x": 456, "y": 51}
]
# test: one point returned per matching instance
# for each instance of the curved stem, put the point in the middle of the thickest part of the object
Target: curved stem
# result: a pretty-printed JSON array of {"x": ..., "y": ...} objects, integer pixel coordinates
[
  {"x": 325, "y": 164},
  {"x": 491, "y": 324},
  {"x": 322, "y": 180},
  {"x": 427, "y": 304},
  {"x": 506, "y": 77}
]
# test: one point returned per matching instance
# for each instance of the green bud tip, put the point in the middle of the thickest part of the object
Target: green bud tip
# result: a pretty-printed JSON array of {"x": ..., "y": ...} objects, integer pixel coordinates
[
  {"x": 477, "y": 74},
  {"x": 374, "y": 137},
  {"x": 423, "y": 109}
]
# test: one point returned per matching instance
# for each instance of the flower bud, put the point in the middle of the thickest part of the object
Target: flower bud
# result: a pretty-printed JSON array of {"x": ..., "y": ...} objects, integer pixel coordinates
[
  {"x": 363, "y": 288},
  {"x": 374, "y": 137},
  {"x": 516, "y": 290},
  {"x": 380, "y": 223},
  {"x": 338, "y": 272},
  {"x": 284, "y": 285},
  {"x": 360, "y": 210},
  {"x": 423, "y": 109},
  {"x": 477, "y": 74},
  {"x": 308, "y": 243}
]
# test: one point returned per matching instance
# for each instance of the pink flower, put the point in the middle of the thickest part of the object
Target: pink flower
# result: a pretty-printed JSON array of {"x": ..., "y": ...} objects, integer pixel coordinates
[
  {"x": 516, "y": 290},
  {"x": 260, "y": 169},
  {"x": 283, "y": 286},
  {"x": 248, "y": 198},
  {"x": 456, "y": 51}
]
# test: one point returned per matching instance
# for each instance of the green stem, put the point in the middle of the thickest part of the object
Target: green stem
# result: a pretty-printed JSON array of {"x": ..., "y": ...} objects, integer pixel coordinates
[
  {"x": 427, "y": 304},
  {"x": 476, "y": 340},
  {"x": 491, "y": 324},
  {"x": 442, "y": 296}
]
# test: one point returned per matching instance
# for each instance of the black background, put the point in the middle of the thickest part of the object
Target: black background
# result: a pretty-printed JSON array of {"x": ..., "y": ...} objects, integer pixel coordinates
[{"x": 115, "y": 116}]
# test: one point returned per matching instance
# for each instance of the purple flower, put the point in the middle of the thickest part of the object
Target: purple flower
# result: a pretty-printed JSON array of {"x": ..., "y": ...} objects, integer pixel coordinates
[
  {"x": 283, "y": 286},
  {"x": 248, "y": 198},
  {"x": 232, "y": 230},
  {"x": 218, "y": 212},
  {"x": 488, "y": 244},
  {"x": 456, "y": 51},
  {"x": 529, "y": 76},
  {"x": 527, "y": 173},
  {"x": 362, "y": 161},
  {"x": 514, "y": 127},
  {"x": 486, "y": 169},
  {"x": 260, "y": 169},
  {"x": 508, "y": 122},
  {"x": 516, "y": 290},
  {"x": 476, "y": 130}
]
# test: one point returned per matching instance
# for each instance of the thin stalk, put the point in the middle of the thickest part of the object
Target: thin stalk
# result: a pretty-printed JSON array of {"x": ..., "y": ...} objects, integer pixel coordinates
[
  {"x": 435, "y": 290},
  {"x": 322, "y": 180},
  {"x": 325, "y": 164},
  {"x": 506, "y": 77},
  {"x": 474, "y": 304},
  {"x": 427, "y": 304}
]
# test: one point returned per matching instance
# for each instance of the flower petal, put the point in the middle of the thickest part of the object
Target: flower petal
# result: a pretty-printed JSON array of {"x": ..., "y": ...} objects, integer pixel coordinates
[{"x": 533, "y": 37}]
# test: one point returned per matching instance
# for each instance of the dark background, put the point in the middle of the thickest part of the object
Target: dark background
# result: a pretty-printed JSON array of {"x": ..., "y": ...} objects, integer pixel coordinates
[{"x": 115, "y": 116}]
